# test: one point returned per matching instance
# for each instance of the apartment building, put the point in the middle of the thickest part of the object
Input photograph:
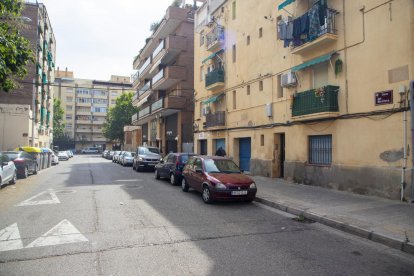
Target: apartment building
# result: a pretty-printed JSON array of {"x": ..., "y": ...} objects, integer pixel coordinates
[
  {"x": 86, "y": 103},
  {"x": 312, "y": 91},
  {"x": 164, "y": 83},
  {"x": 35, "y": 93}
]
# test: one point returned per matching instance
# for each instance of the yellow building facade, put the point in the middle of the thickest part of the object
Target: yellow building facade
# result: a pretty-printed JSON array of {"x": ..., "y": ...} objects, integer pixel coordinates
[{"x": 312, "y": 91}]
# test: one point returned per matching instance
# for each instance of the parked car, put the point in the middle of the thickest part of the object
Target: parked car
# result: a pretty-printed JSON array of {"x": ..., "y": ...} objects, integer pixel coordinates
[
  {"x": 25, "y": 162},
  {"x": 55, "y": 158},
  {"x": 90, "y": 150},
  {"x": 217, "y": 178},
  {"x": 104, "y": 153},
  {"x": 127, "y": 158},
  {"x": 70, "y": 153},
  {"x": 115, "y": 156},
  {"x": 8, "y": 171},
  {"x": 146, "y": 157},
  {"x": 171, "y": 166},
  {"x": 111, "y": 154},
  {"x": 63, "y": 155}
]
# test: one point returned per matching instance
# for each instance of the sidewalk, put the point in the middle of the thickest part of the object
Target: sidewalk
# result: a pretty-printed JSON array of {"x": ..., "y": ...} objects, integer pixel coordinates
[{"x": 389, "y": 222}]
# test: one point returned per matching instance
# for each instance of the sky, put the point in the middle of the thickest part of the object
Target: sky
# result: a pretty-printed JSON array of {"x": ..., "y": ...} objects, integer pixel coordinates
[{"x": 99, "y": 38}]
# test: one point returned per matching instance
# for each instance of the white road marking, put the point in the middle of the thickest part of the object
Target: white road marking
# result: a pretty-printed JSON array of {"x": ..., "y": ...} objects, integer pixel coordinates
[
  {"x": 64, "y": 232},
  {"x": 10, "y": 238},
  {"x": 30, "y": 202},
  {"x": 128, "y": 180}
]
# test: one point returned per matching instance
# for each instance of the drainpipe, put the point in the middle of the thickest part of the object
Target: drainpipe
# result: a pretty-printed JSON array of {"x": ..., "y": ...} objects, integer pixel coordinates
[
  {"x": 405, "y": 149},
  {"x": 412, "y": 137}
]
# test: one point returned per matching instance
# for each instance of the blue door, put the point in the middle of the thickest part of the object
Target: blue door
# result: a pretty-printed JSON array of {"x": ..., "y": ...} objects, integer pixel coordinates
[{"x": 245, "y": 153}]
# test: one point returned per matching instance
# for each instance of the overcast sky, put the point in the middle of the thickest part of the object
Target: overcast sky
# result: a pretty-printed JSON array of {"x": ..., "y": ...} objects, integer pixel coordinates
[{"x": 99, "y": 38}]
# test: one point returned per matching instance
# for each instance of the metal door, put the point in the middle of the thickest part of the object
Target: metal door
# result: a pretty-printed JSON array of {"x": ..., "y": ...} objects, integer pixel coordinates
[{"x": 245, "y": 153}]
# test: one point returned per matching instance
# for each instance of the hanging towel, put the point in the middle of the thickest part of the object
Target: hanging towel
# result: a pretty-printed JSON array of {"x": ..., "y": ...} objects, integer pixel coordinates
[{"x": 314, "y": 25}]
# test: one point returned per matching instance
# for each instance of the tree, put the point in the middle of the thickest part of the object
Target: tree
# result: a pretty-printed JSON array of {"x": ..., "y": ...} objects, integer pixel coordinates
[
  {"x": 58, "y": 124},
  {"x": 119, "y": 116},
  {"x": 15, "y": 52}
]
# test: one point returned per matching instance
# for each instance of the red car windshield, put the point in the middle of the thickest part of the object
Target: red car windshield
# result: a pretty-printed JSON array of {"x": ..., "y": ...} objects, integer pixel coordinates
[{"x": 220, "y": 166}]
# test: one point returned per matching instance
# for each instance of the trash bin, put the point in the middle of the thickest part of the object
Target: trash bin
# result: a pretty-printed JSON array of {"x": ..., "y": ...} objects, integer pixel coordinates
[
  {"x": 36, "y": 152},
  {"x": 46, "y": 157}
]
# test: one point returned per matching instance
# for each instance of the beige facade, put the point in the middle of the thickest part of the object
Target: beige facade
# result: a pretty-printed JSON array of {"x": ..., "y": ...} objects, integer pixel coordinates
[
  {"x": 35, "y": 89},
  {"x": 324, "y": 107},
  {"x": 132, "y": 138},
  {"x": 86, "y": 104},
  {"x": 164, "y": 83}
]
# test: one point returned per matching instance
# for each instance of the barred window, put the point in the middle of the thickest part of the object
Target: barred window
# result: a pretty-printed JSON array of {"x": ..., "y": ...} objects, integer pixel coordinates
[{"x": 320, "y": 150}]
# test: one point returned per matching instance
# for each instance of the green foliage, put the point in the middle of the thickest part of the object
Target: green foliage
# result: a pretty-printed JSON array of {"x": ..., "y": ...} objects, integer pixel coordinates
[
  {"x": 176, "y": 3},
  {"x": 58, "y": 124},
  {"x": 119, "y": 116},
  {"x": 15, "y": 52},
  {"x": 154, "y": 26}
]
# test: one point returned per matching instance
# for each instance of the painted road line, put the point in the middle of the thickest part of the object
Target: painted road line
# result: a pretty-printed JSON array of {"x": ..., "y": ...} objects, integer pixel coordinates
[
  {"x": 30, "y": 202},
  {"x": 10, "y": 238},
  {"x": 62, "y": 233}
]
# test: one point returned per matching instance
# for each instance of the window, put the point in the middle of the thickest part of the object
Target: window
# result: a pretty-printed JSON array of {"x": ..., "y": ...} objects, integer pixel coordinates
[
  {"x": 320, "y": 150},
  {"x": 233, "y": 10},
  {"x": 260, "y": 32},
  {"x": 201, "y": 73},
  {"x": 320, "y": 75},
  {"x": 279, "y": 86},
  {"x": 248, "y": 90},
  {"x": 68, "y": 116},
  {"x": 261, "y": 85},
  {"x": 69, "y": 108},
  {"x": 234, "y": 99},
  {"x": 201, "y": 38},
  {"x": 69, "y": 90},
  {"x": 234, "y": 53},
  {"x": 69, "y": 99},
  {"x": 68, "y": 125},
  {"x": 248, "y": 40},
  {"x": 262, "y": 140}
]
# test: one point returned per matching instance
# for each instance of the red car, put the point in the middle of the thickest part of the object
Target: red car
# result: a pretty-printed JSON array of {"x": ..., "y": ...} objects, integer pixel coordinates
[{"x": 217, "y": 178}]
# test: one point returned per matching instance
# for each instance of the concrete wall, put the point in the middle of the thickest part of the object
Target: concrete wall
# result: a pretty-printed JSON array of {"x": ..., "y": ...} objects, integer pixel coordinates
[{"x": 14, "y": 126}]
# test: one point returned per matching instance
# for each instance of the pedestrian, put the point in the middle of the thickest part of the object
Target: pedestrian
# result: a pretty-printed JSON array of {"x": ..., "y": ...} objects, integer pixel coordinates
[{"x": 220, "y": 152}]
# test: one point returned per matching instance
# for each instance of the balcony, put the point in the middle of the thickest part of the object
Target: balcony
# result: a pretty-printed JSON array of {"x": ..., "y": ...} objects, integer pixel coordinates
[
  {"x": 144, "y": 89},
  {"x": 216, "y": 119},
  {"x": 83, "y": 130},
  {"x": 327, "y": 35},
  {"x": 215, "y": 38},
  {"x": 215, "y": 79},
  {"x": 169, "y": 49},
  {"x": 135, "y": 79},
  {"x": 174, "y": 16},
  {"x": 316, "y": 101},
  {"x": 84, "y": 122},
  {"x": 144, "y": 112},
  {"x": 144, "y": 68},
  {"x": 168, "y": 77},
  {"x": 134, "y": 118}
]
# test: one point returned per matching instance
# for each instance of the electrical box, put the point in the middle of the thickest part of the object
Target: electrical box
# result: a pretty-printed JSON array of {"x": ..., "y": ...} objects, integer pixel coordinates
[{"x": 269, "y": 110}]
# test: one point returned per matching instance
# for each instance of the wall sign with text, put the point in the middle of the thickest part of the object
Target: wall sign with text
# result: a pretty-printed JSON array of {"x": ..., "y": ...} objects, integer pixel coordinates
[{"x": 384, "y": 97}]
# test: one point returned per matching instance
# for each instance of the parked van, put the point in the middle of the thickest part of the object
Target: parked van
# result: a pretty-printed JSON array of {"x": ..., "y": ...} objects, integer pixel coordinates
[{"x": 90, "y": 150}]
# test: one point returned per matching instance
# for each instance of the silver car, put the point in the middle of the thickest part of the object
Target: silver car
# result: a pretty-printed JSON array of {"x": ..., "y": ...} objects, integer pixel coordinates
[
  {"x": 127, "y": 159},
  {"x": 8, "y": 171}
]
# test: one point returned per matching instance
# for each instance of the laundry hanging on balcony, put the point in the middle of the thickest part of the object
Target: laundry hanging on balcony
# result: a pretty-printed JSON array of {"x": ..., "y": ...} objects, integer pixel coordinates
[{"x": 317, "y": 21}]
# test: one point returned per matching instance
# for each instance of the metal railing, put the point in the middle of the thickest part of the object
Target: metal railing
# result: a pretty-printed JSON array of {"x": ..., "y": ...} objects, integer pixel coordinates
[
  {"x": 216, "y": 119},
  {"x": 217, "y": 75},
  {"x": 324, "y": 99}
]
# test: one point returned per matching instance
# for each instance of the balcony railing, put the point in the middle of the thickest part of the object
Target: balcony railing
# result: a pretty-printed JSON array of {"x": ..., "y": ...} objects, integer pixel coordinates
[
  {"x": 313, "y": 101},
  {"x": 215, "y": 37},
  {"x": 157, "y": 105},
  {"x": 135, "y": 77},
  {"x": 158, "y": 76},
  {"x": 145, "y": 88},
  {"x": 144, "y": 66},
  {"x": 144, "y": 112},
  {"x": 135, "y": 117},
  {"x": 159, "y": 48},
  {"x": 216, "y": 119},
  {"x": 215, "y": 77}
]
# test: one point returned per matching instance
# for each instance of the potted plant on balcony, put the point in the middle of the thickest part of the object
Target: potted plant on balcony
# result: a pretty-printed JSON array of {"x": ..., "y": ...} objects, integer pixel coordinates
[{"x": 320, "y": 93}]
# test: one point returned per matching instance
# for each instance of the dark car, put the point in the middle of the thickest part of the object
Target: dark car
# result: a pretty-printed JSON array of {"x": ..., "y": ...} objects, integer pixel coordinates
[
  {"x": 217, "y": 178},
  {"x": 25, "y": 162},
  {"x": 146, "y": 158},
  {"x": 171, "y": 166}
]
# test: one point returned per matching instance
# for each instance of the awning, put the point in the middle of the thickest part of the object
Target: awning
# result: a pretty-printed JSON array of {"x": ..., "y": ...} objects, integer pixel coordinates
[
  {"x": 213, "y": 99},
  {"x": 143, "y": 100},
  {"x": 284, "y": 4},
  {"x": 212, "y": 55},
  {"x": 312, "y": 62}
]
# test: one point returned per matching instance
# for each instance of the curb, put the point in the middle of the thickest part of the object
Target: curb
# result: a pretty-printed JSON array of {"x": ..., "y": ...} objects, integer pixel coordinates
[{"x": 404, "y": 246}]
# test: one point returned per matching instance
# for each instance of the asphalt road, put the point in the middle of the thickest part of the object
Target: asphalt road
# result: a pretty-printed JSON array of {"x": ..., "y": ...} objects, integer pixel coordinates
[{"x": 89, "y": 216}]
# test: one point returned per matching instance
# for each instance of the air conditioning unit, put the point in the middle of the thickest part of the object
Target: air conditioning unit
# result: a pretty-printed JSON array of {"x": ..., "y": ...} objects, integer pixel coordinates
[{"x": 288, "y": 79}]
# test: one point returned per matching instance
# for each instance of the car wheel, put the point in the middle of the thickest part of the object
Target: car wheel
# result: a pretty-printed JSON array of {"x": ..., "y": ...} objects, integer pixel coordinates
[
  {"x": 173, "y": 180},
  {"x": 35, "y": 171},
  {"x": 206, "y": 195},
  {"x": 184, "y": 185},
  {"x": 156, "y": 174},
  {"x": 25, "y": 173},
  {"x": 14, "y": 179}
]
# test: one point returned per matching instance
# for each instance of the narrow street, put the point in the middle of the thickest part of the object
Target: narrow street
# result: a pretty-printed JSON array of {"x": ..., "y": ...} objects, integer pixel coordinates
[{"x": 89, "y": 216}]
